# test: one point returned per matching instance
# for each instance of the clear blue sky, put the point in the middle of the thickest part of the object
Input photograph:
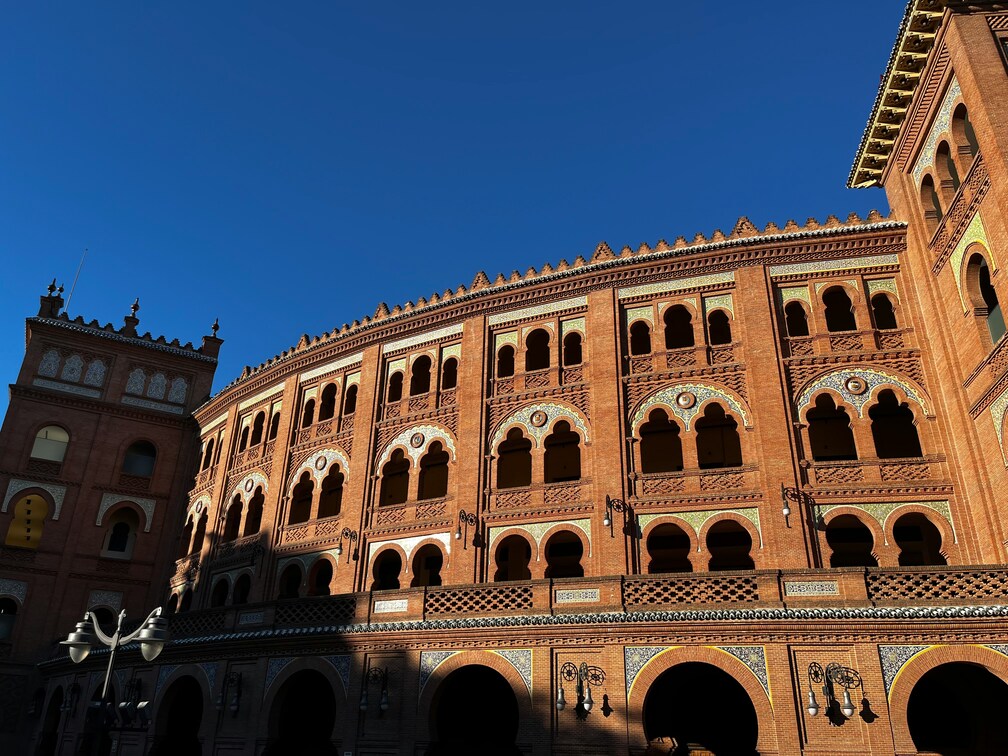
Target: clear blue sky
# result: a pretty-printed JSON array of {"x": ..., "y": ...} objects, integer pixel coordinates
[{"x": 286, "y": 166}]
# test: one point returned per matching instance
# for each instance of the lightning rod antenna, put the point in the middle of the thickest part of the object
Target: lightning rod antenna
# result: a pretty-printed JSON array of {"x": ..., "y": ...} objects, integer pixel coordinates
[{"x": 66, "y": 308}]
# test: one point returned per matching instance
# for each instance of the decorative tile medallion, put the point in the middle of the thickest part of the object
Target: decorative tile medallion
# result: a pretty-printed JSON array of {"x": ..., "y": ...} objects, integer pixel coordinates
[
  {"x": 873, "y": 379},
  {"x": 244, "y": 490},
  {"x": 893, "y": 659},
  {"x": 553, "y": 412},
  {"x": 428, "y": 432},
  {"x": 318, "y": 463}
]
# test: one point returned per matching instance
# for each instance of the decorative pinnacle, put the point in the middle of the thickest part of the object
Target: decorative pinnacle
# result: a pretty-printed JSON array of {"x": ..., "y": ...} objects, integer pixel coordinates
[
  {"x": 216, "y": 326},
  {"x": 135, "y": 306},
  {"x": 60, "y": 289},
  {"x": 52, "y": 287}
]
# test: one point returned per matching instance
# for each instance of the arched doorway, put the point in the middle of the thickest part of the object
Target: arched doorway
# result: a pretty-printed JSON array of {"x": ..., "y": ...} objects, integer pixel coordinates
[
  {"x": 303, "y": 716},
  {"x": 689, "y": 702},
  {"x": 464, "y": 723},
  {"x": 178, "y": 720},
  {"x": 956, "y": 709}
]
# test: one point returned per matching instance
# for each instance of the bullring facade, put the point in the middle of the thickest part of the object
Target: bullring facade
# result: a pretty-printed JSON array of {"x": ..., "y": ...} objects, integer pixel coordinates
[{"x": 676, "y": 480}]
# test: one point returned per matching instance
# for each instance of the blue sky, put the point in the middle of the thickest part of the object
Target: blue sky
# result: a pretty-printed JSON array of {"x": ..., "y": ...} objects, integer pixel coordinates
[{"x": 287, "y": 166}]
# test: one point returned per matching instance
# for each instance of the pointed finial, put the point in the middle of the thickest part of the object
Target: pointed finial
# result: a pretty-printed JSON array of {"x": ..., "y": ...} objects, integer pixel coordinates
[
  {"x": 52, "y": 287},
  {"x": 215, "y": 327},
  {"x": 135, "y": 306},
  {"x": 60, "y": 289}
]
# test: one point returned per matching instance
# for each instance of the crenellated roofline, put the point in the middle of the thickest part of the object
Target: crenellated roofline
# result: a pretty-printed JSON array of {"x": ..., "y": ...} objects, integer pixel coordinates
[{"x": 744, "y": 233}]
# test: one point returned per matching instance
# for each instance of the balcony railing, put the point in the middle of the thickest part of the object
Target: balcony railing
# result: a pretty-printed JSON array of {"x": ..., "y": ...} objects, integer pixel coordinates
[
  {"x": 850, "y": 587},
  {"x": 850, "y": 341},
  {"x": 872, "y": 471},
  {"x": 542, "y": 495},
  {"x": 417, "y": 511}
]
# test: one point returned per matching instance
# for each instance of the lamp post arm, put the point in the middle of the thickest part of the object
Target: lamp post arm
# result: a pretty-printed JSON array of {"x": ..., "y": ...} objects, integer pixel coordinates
[
  {"x": 107, "y": 640},
  {"x": 136, "y": 633}
]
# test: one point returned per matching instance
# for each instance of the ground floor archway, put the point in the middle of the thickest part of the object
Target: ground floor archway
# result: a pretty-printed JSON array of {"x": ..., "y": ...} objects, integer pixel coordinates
[
  {"x": 957, "y": 709},
  {"x": 474, "y": 710},
  {"x": 303, "y": 716},
  {"x": 695, "y": 702},
  {"x": 178, "y": 720}
]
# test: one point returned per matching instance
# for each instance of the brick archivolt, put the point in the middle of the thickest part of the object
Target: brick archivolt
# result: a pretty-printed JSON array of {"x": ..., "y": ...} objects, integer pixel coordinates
[
  {"x": 244, "y": 490},
  {"x": 840, "y": 383},
  {"x": 695, "y": 396},
  {"x": 415, "y": 440},
  {"x": 319, "y": 464},
  {"x": 537, "y": 431}
]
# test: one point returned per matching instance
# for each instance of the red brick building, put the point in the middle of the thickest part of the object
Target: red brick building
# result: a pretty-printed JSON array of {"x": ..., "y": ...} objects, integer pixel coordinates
[{"x": 695, "y": 483}]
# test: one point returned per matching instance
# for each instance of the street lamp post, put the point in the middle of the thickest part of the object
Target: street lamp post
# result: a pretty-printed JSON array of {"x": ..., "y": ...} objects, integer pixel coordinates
[{"x": 152, "y": 634}]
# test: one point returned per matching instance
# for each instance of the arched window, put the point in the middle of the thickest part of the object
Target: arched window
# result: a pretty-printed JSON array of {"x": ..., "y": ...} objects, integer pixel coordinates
[
  {"x": 197, "y": 542},
  {"x": 139, "y": 459},
  {"x": 640, "y": 338},
  {"x": 512, "y": 558},
  {"x": 433, "y": 473},
  {"x": 290, "y": 582},
  {"x": 514, "y": 460},
  {"x": 25, "y": 529},
  {"x": 185, "y": 603},
  {"x": 8, "y": 615},
  {"x": 258, "y": 426},
  {"x": 678, "y": 328},
  {"x": 964, "y": 137},
  {"x": 420, "y": 375},
  {"x": 537, "y": 351},
  {"x": 505, "y": 362},
  {"x": 919, "y": 541},
  {"x": 123, "y": 528},
  {"x": 717, "y": 439},
  {"x": 301, "y": 499},
  {"x": 729, "y": 545},
  {"x": 839, "y": 310},
  {"x": 208, "y": 454},
  {"x": 562, "y": 460},
  {"x": 796, "y": 320},
  {"x": 253, "y": 519},
  {"x": 395, "y": 480},
  {"x": 308, "y": 414},
  {"x": 320, "y": 578},
  {"x": 829, "y": 430},
  {"x": 220, "y": 448},
  {"x": 893, "y": 429},
  {"x": 395, "y": 385},
  {"x": 948, "y": 176},
  {"x": 218, "y": 597},
  {"x": 668, "y": 549},
  {"x": 274, "y": 426},
  {"x": 930, "y": 204},
  {"x": 719, "y": 328},
  {"x": 232, "y": 521},
  {"x": 242, "y": 587},
  {"x": 387, "y": 567},
  {"x": 883, "y": 312},
  {"x": 50, "y": 444},
  {"x": 350, "y": 400},
  {"x": 983, "y": 296},
  {"x": 243, "y": 440},
  {"x": 185, "y": 542},
  {"x": 331, "y": 497},
  {"x": 327, "y": 406},
  {"x": 563, "y": 555},
  {"x": 850, "y": 542},
  {"x": 572, "y": 351},
  {"x": 449, "y": 374},
  {"x": 660, "y": 444},
  {"x": 427, "y": 566}
]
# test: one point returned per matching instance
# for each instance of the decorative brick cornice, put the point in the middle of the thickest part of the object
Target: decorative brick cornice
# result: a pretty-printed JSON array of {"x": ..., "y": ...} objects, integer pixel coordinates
[{"x": 146, "y": 342}]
